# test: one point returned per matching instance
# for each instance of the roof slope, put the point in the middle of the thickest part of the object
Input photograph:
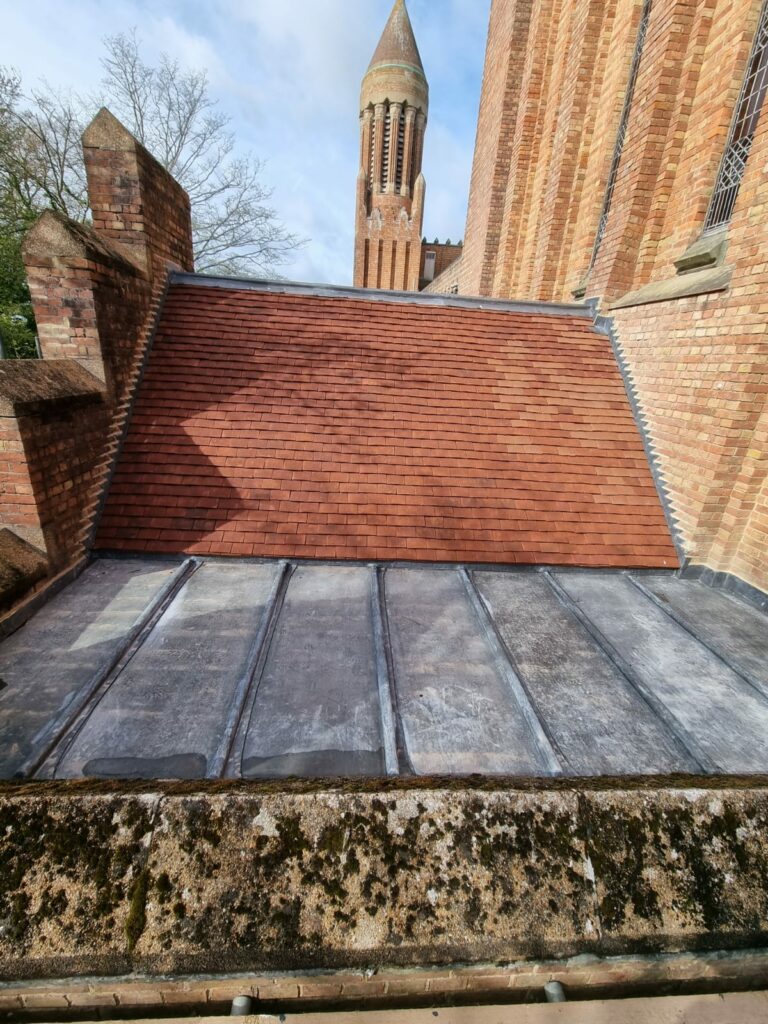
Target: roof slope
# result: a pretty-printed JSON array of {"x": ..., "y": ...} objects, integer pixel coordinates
[{"x": 293, "y": 425}]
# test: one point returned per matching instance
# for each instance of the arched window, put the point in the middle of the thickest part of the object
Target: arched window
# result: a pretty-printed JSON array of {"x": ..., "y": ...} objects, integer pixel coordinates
[{"x": 742, "y": 132}]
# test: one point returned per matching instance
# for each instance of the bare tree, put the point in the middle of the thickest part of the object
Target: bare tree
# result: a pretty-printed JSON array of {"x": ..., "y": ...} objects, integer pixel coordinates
[
  {"x": 40, "y": 153},
  {"x": 171, "y": 113},
  {"x": 169, "y": 109}
]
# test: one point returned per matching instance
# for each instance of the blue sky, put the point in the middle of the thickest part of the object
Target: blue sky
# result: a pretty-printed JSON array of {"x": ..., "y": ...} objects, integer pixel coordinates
[{"x": 288, "y": 73}]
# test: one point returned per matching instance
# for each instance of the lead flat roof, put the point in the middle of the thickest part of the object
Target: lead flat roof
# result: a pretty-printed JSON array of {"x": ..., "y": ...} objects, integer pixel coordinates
[{"x": 210, "y": 668}]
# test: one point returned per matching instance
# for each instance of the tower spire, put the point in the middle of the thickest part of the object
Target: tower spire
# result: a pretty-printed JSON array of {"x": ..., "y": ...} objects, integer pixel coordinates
[
  {"x": 398, "y": 43},
  {"x": 394, "y": 101}
]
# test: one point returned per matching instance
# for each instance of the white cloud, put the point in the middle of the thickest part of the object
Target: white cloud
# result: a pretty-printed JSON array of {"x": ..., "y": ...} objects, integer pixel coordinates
[{"x": 289, "y": 75}]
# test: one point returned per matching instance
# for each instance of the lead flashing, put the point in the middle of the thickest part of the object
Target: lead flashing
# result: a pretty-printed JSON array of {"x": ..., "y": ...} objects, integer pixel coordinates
[
  {"x": 328, "y": 291},
  {"x": 605, "y": 325},
  {"x": 727, "y": 582}
]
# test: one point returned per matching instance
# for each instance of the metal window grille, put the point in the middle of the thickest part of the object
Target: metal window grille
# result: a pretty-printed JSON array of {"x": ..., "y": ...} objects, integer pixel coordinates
[
  {"x": 742, "y": 132},
  {"x": 621, "y": 135}
]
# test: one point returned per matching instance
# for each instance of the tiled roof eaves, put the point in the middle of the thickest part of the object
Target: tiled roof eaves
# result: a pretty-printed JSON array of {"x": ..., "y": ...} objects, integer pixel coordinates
[{"x": 329, "y": 291}]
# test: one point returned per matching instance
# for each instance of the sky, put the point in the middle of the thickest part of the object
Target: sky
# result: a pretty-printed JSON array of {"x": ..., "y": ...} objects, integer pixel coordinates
[{"x": 288, "y": 74}]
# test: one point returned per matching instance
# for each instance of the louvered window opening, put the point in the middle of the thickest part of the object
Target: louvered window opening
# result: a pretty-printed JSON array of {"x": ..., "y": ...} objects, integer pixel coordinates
[
  {"x": 372, "y": 176},
  {"x": 400, "y": 154},
  {"x": 385, "y": 151},
  {"x": 742, "y": 132},
  {"x": 621, "y": 136}
]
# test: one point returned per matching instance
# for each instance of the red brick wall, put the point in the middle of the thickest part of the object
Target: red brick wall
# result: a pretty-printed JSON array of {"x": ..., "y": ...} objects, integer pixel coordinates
[
  {"x": 700, "y": 364},
  {"x": 94, "y": 311},
  {"x": 62, "y": 446},
  {"x": 445, "y": 256},
  {"x": 701, "y": 367},
  {"x": 504, "y": 62},
  {"x": 19, "y": 508},
  {"x": 530, "y": 147}
]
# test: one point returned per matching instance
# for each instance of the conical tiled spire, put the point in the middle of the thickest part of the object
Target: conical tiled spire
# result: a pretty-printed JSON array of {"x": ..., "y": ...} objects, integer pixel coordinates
[{"x": 398, "y": 43}]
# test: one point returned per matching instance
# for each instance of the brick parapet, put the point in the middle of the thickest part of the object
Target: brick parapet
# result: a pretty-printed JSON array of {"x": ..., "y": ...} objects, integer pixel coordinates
[
  {"x": 135, "y": 202},
  {"x": 446, "y": 256},
  {"x": 95, "y": 292},
  {"x": 449, "y": 281}
]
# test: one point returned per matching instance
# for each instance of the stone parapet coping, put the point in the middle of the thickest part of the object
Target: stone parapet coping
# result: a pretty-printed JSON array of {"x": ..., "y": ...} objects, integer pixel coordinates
[
  {"x": 27, "y": 384},
  {"x": 242, "y": 879},
  {"x": 746, "y": 1008}
]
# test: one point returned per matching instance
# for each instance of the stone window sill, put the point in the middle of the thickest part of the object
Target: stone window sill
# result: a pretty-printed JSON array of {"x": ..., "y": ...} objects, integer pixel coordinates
[{"x": 695, "y": 282}]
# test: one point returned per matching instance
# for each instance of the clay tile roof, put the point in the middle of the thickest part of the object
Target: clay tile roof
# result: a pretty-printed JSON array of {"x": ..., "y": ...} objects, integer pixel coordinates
[
  {"x": 292, "y": 424},
  {"x": 398, "y": 43}
]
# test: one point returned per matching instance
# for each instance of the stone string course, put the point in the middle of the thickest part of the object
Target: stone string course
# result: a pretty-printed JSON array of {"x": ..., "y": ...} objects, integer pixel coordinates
[{"x": 256, "y": 881}]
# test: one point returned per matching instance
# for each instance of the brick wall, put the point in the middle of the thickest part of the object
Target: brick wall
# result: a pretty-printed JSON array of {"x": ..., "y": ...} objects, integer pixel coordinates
[
  {"x": 701, "y": 368},
  {"x": 500, "y": 95},
  {"x": 58, "y": 441},
  {"x": 52, "y": 415},
  {"x": 446, "y": 255},
  {"x": 96, "y": 292},
  {"x": 699, "y": 363}
]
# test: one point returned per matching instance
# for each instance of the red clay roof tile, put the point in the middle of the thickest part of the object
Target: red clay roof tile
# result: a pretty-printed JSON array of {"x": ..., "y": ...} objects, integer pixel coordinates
[{"x": 289, "y": 425}]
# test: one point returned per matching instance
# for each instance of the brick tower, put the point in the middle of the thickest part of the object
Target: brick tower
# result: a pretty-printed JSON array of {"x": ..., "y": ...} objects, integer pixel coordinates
[{"x": 390, "y": 186}]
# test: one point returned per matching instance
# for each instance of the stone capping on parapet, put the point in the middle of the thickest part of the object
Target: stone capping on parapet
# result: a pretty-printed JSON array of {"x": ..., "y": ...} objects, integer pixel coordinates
[
  {"x": 56, "y": 237},
  {"x": 21, "y": 566},
  {"x": 188, "y": 875},
  {"x": 27, "y": 384},
  {"x": 329, "y": 291},
  {"x": 106, "y": 132}
]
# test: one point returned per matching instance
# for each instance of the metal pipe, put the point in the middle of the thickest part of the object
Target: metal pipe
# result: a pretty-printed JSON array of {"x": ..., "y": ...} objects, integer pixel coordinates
[
  {"x": 554, "y": 992},
  {"x": 241, "y": 1006}
]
